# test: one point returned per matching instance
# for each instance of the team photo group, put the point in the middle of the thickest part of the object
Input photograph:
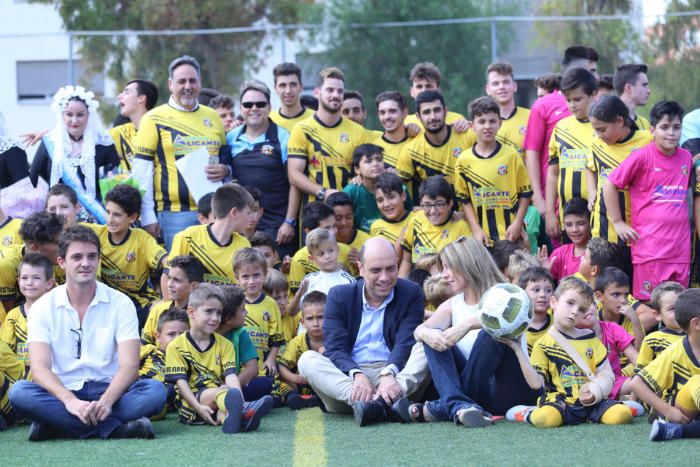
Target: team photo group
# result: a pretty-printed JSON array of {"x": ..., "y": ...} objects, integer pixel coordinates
[{"x": 476, "y": 263}]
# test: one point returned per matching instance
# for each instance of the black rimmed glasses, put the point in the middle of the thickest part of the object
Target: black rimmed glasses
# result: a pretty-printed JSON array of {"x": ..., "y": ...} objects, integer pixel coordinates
[{"x": 439, "y": 205}]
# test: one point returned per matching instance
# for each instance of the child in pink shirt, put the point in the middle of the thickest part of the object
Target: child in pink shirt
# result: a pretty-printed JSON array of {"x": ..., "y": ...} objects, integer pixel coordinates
[
  {"x": 566, "y": 259},
  {"x": 657, "y": 177}
]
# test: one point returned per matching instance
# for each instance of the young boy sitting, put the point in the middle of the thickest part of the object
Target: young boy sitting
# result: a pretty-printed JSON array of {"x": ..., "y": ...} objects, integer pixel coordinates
[
  {"x": 390, "y": 196},
  {"x": 323, "y": 250},
  {"x": 216, "y": 243},
  {"x": 675, "y": 374},
  {"x": 185, "y": 273},
  {"x": 491, "y": 181},
  {"x": 663, "y": 302},
  {"x": 129, "y": 257},
  {"x": 11, "y": 370},
  {"x": 657, "y": 177},
  {"x": 566, "y": 259},
  {"x": 368, "y": 165},
  {"x": 313, "y": 216},
  {"x": 345, "y": 230},
  {"x": 539, "y": 286},
  {"x": 62, "y": 200},
  {"x": 233, "y": 328},
  {"x": 263, "y": 318},
  {"x": 295, "y": 390},
  {"x": 204, "y": 215},
  {"x": 35, "y": 278},
  {"x": 202, "y": 365},
  {"x": 430, "y": 229},
  {"x": 277, "y": 287},
  {"x": 573, "y": 394}
]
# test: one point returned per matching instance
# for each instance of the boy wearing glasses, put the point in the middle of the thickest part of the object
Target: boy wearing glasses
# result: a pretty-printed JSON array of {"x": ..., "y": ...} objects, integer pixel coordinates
[
  {"x": 491, "y": 180},
  {"x": 434, "y": 227},
  {"x": 84, "y": 350}
]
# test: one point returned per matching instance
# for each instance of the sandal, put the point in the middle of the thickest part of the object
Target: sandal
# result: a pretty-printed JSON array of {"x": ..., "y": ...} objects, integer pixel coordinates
[{"x": 406, "y": 412}]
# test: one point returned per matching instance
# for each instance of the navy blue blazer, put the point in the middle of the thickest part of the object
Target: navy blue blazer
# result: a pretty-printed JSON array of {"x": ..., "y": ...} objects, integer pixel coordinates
[{"x": 343, "y": 315}]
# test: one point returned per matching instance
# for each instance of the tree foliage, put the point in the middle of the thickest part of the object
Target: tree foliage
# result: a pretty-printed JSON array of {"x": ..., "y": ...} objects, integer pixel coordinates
[{"x": 379, "y": 59}]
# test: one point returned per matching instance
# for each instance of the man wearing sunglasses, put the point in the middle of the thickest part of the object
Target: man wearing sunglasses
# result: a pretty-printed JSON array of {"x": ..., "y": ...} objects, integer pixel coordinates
[
  {"x": 84, "y": 353},
  {"x": 259, "y": 159}
]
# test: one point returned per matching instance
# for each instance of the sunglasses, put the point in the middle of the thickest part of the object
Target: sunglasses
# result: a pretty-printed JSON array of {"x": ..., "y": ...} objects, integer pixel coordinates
[{"x": 258, "y": 104}]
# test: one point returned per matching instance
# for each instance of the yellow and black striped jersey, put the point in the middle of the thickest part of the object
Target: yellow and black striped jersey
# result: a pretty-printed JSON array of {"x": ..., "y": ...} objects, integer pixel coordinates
[
  {"x": 293, "y": 351},
  {"x": 570, "y": 149},
  {"x": 301, "y": 265},
  {"x": 263, "y": 325},
  {"x": 123, "y": 136},
  {"x": 513, "y": 128},
  {"x": 288, "y": 122},
  {"x": 199, "y": 241},
  {"x": 391, "y": 150},
  {"x": 423, "y": 238},
  {"x": 420, "y": 159},
  {"x": 148, "y": 334},
  {"x": 128, "y": 266},
  {"x": 166, "y": 135},
  {"x": 391, "y": 230},
  {"x": 13, "y": 370},
  {"x": 10, "y": 259},
  {"x": 14, "y": 333},
  {"x": 642, "y": 123},
  {"x": 152, "y": 363},
  {"x": 9, "y": 232},
  {"x": 655, "y": 343},
  {"x": 493, "y": 185},
  {"x": 358, "y": 239},
  {"x": 562, "y": 376},
  {"x": 450, "y": 118},
  {"x": 668, "y": 372},
  {"x": 532, "y": 335},
  {"x": 602, "y": 161},
  {"x": 326, "y": 150}
]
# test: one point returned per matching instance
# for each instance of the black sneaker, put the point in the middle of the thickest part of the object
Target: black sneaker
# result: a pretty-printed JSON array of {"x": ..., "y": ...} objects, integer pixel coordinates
[
  {"x": 234, "y": 408},
  {"x": 368, "y": 413},
  {"x": 139, "y": 428},
  {"x": 298, "y": 402},
  {"x": 41, "y": 432},
  {"x": 254, "y": 411}
]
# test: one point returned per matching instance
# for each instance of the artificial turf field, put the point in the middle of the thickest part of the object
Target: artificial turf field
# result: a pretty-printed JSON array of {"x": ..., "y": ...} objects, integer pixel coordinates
[{"x": 310, "y": 437}]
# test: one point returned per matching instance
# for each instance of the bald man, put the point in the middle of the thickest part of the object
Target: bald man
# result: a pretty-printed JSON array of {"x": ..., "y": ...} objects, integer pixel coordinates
[{"x": 370, "y": 361}]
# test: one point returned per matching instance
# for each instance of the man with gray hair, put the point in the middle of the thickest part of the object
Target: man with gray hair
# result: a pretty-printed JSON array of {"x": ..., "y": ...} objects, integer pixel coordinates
[
  {"x": 168, "y": 133},
  {"x": 259, "y": 159}
]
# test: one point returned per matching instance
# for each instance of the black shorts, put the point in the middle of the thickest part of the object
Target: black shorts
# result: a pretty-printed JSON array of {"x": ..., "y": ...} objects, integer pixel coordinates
[{"x": 577, "y": 413}]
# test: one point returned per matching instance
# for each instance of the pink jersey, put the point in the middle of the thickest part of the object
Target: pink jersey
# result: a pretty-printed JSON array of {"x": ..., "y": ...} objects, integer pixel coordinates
[
  {"x": 616, "y": 340},
  {"x": 565, "y": 264},
  {"x": 544, "y": 115},
  {"x": 657, "y": 186}
]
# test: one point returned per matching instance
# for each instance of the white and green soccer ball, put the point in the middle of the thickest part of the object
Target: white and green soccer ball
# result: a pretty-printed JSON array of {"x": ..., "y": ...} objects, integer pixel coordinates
[{"x": 505, "y": 311}]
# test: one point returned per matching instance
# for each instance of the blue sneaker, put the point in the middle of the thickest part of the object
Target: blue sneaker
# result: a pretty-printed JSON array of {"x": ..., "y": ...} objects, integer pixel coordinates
[
  {"x": 254, "y": 411},
  {"x": 234, "y": 408},
  {"x": 663, "y": 431}
]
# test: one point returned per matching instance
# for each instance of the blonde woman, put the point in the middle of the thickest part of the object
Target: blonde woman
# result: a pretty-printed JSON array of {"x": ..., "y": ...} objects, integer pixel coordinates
[{"x": 475, "y": 375}]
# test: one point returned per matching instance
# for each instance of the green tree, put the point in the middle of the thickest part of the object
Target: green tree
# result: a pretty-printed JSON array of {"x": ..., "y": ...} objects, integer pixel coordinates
[
  {"x": 378, "y": 59},
  {"x": 226, "y": 59}
]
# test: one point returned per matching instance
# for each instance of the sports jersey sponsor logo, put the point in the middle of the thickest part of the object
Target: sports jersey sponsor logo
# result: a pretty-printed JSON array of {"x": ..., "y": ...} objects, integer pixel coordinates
[
  {"x": 344, "y": 138},
  {"x": 217, "y": 280},
  {"x": 669, "y": 194},
  {"x": 186, "y": 144},
  {"x": 571, "y": 376},
  {"x": 423, "y": 250},
  {"x": 7, "y": 241},
  {"x": 491, "y": 197},
  {"x": 456, "y": 152},
  {"x": 268, "y": 150},
  {"x": 573, "y": 158},
  {"x": 117, "y": 276},
  {"x": 130, "y": 257},
  {"x": 502, "y": 169}
]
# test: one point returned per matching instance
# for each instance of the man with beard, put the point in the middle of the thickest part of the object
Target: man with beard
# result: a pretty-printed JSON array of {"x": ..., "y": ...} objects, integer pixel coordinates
[
  {"x": 288, "y": 88},
  {"x": 320, "y": 148},
  {"x": 435, "y": 152}
]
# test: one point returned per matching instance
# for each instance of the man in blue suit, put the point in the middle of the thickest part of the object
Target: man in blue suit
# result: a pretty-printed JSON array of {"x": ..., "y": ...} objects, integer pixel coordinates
[{"x": 370, "y": 360}]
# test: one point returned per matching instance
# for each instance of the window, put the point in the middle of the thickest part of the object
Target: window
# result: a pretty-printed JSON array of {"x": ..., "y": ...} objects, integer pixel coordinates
[{"x": 41, "y": 79}]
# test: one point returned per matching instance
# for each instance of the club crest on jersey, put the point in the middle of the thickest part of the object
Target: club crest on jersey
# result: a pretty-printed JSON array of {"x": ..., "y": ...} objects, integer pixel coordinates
[
  {"x": 445, "y": 234},
  {"x": 521, "y": 130},
  {"x": 130, "y": 257},
  {"x": 217, "y": 358},
  {"x": 589, "y": 352},
  {"x": 266, "y": 315},
  {"x": 647, "y": 286},
  {"x": 456, "y": 152},
  {"x": 344, "y": 138},
  {"x": 267, "y": 149},
  {"x": 684, "y": 169},
  {"x": 207, "y": 123},
  {"x": 7, "y": 241},
  {"x": 502, "y": 169},
  {"x": 315, "y": 162}
]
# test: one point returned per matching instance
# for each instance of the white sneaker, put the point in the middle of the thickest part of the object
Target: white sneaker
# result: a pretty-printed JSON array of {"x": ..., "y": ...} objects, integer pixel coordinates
[
  {"x": 635, "y": 407},
  {"x": 519, "y": 413}
]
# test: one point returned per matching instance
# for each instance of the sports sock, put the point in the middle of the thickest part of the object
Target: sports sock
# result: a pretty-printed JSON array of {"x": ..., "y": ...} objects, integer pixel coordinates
[
  {"x": 220, "y": 397},
  {"x": 688, "y": 397},
  {"x": 618, "y": 414},
  {"x": 546, "y": 417},
  {"x": 691, "y": 430}
]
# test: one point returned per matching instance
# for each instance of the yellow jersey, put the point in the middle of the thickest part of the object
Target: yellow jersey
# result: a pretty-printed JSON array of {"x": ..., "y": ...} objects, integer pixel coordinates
[
  {"x": 532, "y": 335},
  {"x": 423, "y": 238},
  {"x": 326, "y": 150},
  {"x": 493, "y": 185},
  {"x": 9, "y": 232},
  {"x": 570, "y": 149},
  {"x": 562, "y": 376},
  {"x": 602, "y": 161},
  {"x": 513, "y": 128},
  {"x": 166, "y": 135},
  {"x": 655, "y": 343},
  {"x": 148, "y": 334},
  {"x": 124, "y": 136},
  {"x": 288, "y": 122},
  {"x": 14, "y": 333},
  {"x": 420, "y": 159},
  {"x": 152, "y": 363},
  {"x": 289, "y": 326},
  {"x": 391, "y": 150},
  {"x": 358, "y": 239},
  {"x": 263, "y": 325},
  {"x": 393, "y": 231},
  {"x": 293, "y": 351},
  {"x": 217, "y": 258},
  {"x": 10, "y": 258},
  {"x": 129, "y": 265},
  {"x": 669, "y": 372},
  {"x": 301, "y": 265},
  {"x": 13, "y": 370}
]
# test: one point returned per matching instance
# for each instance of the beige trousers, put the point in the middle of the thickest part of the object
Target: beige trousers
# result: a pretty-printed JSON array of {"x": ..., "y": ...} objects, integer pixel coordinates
[{"x": 334, "y": 387}]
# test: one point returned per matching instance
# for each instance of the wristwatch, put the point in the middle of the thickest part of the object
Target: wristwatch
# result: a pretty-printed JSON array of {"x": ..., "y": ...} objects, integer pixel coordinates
[
  {"x": 292, "y": 222},
  {"x": 321, "y": 195},
  {"x": 387, "y": 371}
]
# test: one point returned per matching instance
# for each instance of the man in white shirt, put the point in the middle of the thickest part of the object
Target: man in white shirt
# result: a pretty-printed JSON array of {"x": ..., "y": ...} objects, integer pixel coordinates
[{"x": 84, "y": 354}]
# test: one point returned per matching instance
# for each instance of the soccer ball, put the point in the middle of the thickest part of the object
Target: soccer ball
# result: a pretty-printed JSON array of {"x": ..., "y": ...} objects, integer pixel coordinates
[{"x": 506, "y": 311}]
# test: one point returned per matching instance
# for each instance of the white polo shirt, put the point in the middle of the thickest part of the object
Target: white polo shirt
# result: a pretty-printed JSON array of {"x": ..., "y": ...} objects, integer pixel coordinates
[{"x": 109, "y": 320}]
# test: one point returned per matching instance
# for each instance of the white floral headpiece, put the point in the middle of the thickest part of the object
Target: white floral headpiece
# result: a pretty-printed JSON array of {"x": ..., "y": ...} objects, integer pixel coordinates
[{"x": 66, "y": 93}]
